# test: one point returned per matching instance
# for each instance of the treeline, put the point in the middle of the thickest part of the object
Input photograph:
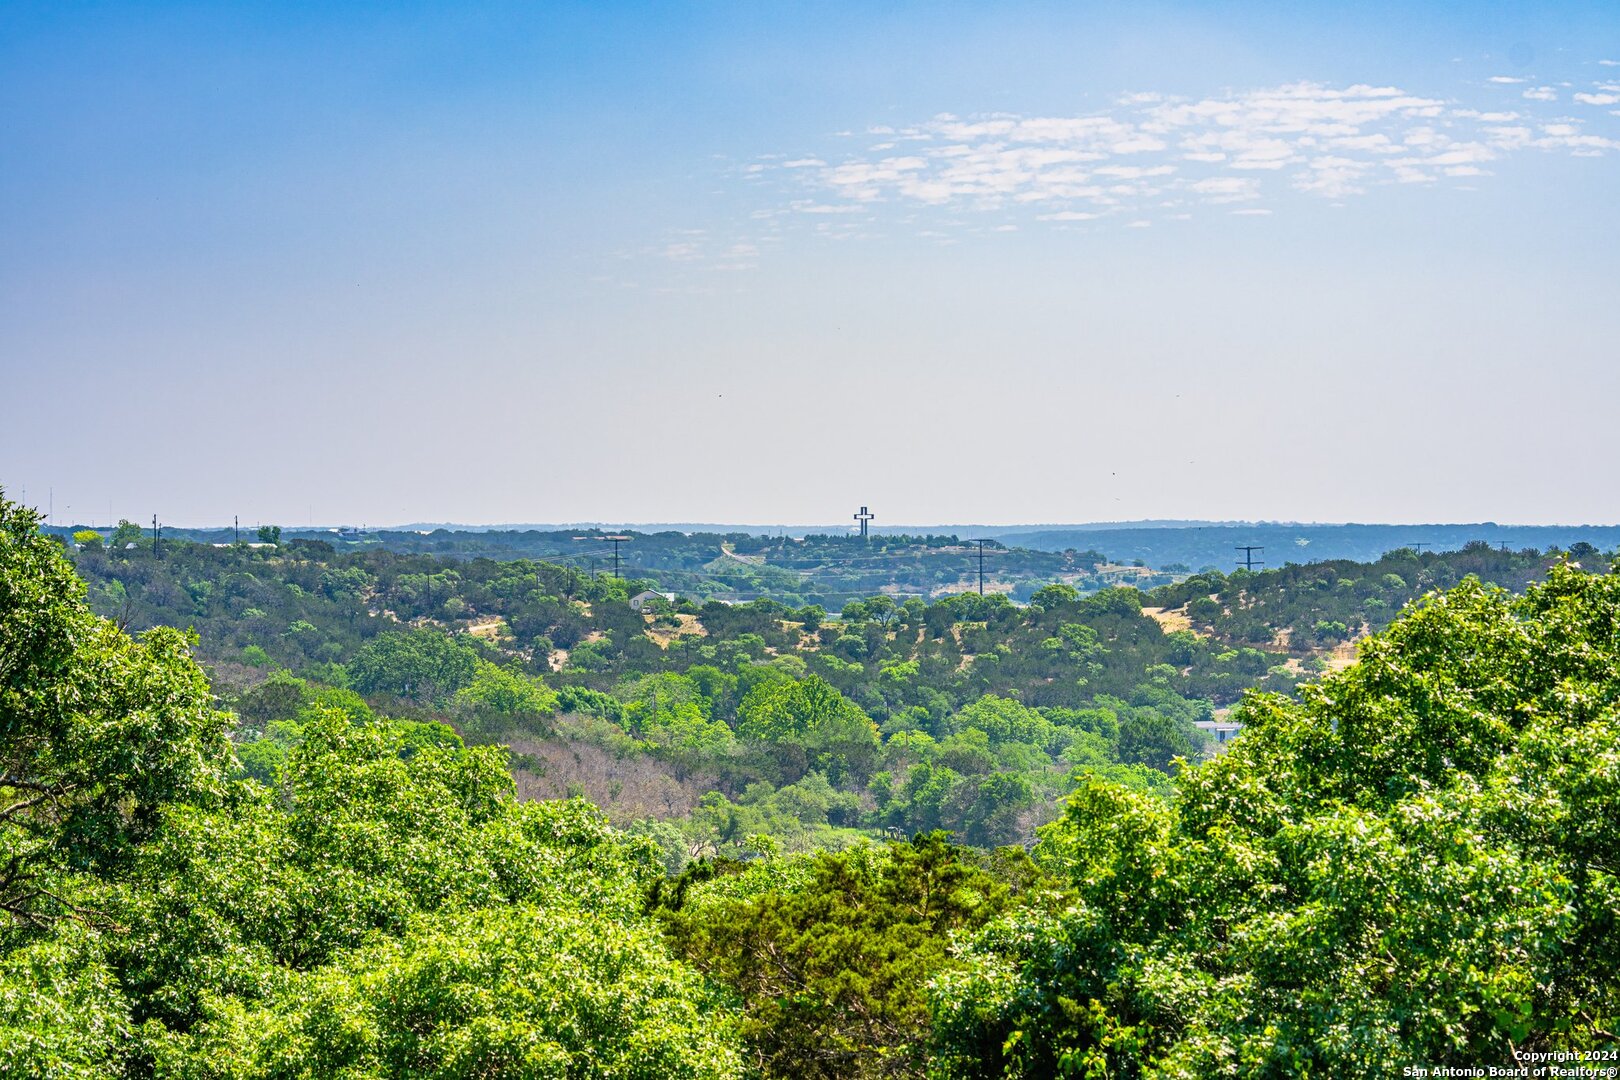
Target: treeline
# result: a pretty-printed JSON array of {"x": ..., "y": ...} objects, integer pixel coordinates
[
  {"x": 1309, "y": 606},
  {"x": 825, "y": 570}
]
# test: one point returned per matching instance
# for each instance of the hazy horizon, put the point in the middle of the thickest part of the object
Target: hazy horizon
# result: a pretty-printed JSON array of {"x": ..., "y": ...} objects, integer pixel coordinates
[{"x": 877, "y": 528}]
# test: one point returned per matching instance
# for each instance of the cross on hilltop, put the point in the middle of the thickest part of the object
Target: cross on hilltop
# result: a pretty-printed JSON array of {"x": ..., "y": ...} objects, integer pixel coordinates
[{"x": 863, "y": 517}]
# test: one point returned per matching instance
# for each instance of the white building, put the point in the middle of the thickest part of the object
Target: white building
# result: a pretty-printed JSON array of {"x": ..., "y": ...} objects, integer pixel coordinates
[
  {"x": 642, "y": 599},
  {"x": 1222, "y": 731}
]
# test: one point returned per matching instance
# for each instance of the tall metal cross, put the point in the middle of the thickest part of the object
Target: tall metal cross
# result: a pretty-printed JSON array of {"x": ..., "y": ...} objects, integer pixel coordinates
[
  {"x": 863, "y": 517},
  {"x": 981, "y": 544}
]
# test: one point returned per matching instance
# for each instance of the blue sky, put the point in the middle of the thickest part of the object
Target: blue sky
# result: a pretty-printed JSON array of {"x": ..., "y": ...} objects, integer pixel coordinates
[{"x": 1003, "y": 263}]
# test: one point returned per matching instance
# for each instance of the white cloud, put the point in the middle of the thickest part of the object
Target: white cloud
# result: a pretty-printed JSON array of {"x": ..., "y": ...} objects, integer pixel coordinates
[
  {"x": 1221, "y": 189},
  {"x": 1135, "y": 172},
  {"x": 1333, "y": 176},
  {"x": 1250, "y": 212},
  {"x": 805, "y": 206},
  {"x": 1149, "y": 157}
]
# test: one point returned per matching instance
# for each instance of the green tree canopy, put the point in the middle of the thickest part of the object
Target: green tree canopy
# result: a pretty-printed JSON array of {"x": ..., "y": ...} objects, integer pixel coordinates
[
  {"x": 414, "y": 663},
  {"x": 1414, "y": 864},
  {"x": 98, "y": 731}
]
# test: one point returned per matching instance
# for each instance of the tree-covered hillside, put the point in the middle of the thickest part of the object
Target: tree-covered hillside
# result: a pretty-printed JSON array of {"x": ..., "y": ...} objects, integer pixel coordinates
[
  {"x": 702, "y": 724},
  {"x": 828, "y": 570},
  {"x": 1410, "y": 863}
]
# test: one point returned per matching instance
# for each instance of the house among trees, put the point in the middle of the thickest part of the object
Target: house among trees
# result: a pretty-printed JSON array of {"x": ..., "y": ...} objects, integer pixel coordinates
[
  {"x": 1221, "y": 731},
  {"x": 642, "y": 599}
]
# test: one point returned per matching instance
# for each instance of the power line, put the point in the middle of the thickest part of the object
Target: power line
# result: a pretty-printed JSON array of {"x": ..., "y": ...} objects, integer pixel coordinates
[{"x": 1249, "y": 562}]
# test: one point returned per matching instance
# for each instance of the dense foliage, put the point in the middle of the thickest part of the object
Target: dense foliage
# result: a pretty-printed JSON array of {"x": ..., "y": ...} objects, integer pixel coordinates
[
  {"x": 1410, "y": 862},
  {"x": 383, "y": 907},
  {"x": 967, "y": 714},
  {"x": 1325, "y": 603},
  {"x": 703, "y": 724},
  {"x": 732, "y": 567},
  {"x": 831, "y": 954}
]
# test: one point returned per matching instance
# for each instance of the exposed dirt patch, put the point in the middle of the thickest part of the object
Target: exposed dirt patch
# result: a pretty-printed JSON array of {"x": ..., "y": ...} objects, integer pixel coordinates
[
  {"x": 1171, "y": 619},
  {"x": 1341, "y": 656},
  {"x": 489, "y": 628},
  {"x": 663, "y": 636}
]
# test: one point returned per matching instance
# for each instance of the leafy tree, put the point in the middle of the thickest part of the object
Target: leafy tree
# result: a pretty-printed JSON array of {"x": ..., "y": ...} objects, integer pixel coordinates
[
  {"x": 512, "y": 991},
  {"x": 414, "y": 663},
  {"x": 1054, "y": 595},
  {"x": 127, "y": 533},
  {"x": 98, "y": 731},
  {"x": 832, "y": 958},
  {"x": 506, "y": 692},
  {"x": 831, "y": 731}
]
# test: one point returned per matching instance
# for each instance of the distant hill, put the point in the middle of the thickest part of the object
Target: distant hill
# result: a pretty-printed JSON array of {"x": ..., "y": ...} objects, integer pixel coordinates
[
  {"x": 828, "y": 565},
  {"x": 1214, "y": 544}
]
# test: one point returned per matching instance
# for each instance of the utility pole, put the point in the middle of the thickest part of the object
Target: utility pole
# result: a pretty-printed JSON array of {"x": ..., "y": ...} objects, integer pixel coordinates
[
  {"x": 1419, "y": 546},
  {"x": 616, "y": 541},
  {"x": 157, "y": 552},
  {"x": 1249, "y": 562},
  {"x": 863, "y": 517},
  {"x": 981, "y": 544}
]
